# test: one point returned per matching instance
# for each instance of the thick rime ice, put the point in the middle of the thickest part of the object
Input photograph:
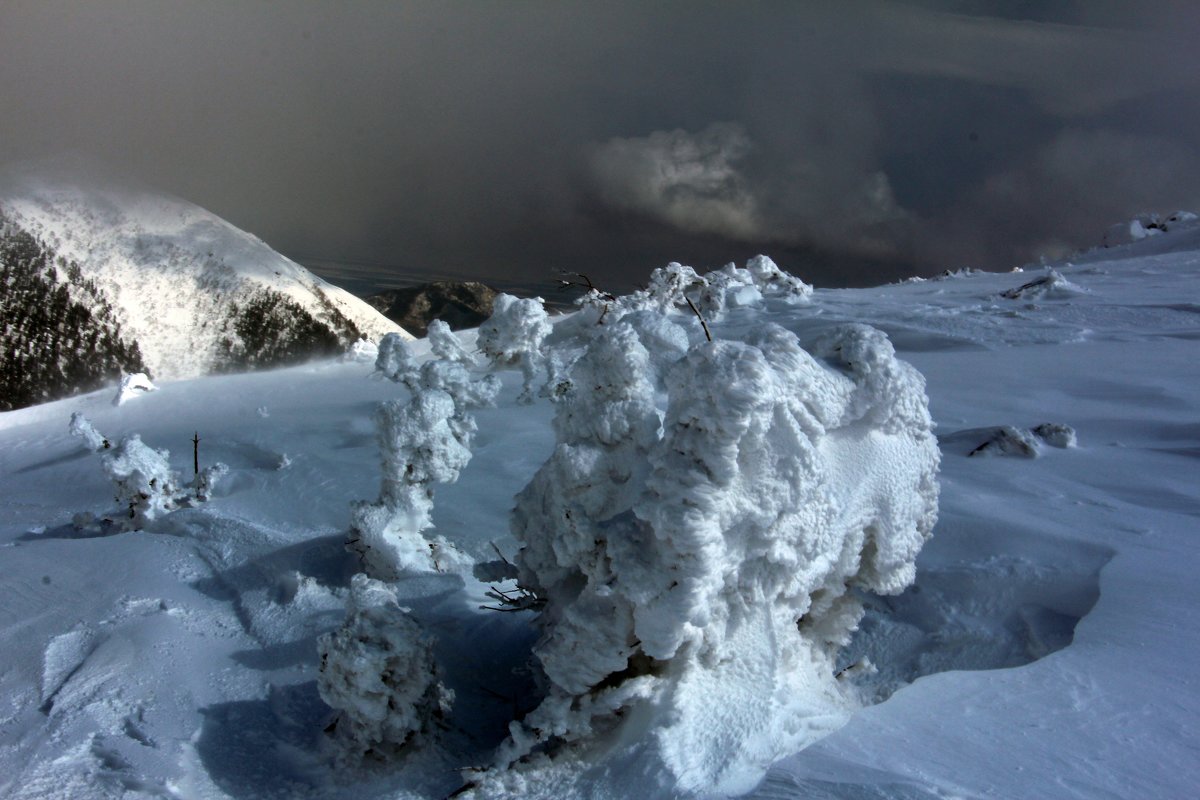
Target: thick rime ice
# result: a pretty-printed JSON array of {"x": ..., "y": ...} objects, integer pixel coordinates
[
  {"x": 700, "y": 573},
  {"x": 423, "y": 441},
  {"x": 445, "y": 345},
  {"x": 145, "y": 484},
  {"x": 133, "y": 385},
  {"x": 82, "y": 427},
  {"x": 513, "y": 336},
  {"x": 394, "y": 361},
  {"x": 378, "y": 671},
  {"x": 206, "y": 480}
]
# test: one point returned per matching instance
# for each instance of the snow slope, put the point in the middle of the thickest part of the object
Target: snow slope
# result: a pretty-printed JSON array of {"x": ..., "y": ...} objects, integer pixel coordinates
[
  {"x": 1047, "y": 648},
  {"x": 176, "y": 274}
]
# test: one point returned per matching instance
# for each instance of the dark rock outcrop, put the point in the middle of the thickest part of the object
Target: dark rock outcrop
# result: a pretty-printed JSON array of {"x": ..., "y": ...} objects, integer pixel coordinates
[{"x": 460, "y": 304}]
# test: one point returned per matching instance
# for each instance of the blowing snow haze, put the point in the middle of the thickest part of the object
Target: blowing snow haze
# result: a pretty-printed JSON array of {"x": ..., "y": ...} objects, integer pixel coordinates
[{"x": 856, "y": 142}]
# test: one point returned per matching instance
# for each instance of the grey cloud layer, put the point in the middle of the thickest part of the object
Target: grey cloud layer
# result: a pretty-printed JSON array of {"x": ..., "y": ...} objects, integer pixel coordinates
[{"x": 860, "y": 140}]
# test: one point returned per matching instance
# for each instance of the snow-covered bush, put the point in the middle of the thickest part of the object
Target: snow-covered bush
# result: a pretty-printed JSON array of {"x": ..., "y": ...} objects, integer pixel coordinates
[
  {"x": 378, "y": 671},
  {"x": 207, "y": 479},
  {"x": 514, "y": 335},
  {"x": 144, "y": 481},
  {"x": 394, "y": 361},
  {"x": 133, "y": 385},
  {"x": 723, "y": 548},
  {"x": 82, "y": 427},
  {"x": 445, "y": 345},
  {"x": 423, "y": 441}
]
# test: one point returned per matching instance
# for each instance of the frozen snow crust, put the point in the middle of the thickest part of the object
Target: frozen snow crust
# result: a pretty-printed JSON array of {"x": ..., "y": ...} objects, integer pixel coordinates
[{"x": 718, "y": 541}]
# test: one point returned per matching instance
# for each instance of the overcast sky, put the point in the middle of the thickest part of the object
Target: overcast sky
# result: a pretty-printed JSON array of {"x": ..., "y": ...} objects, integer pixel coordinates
[{"x": 855, "y": 142}]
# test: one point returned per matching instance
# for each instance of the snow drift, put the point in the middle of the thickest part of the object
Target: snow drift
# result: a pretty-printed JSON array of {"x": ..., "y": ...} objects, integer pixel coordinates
[{"x": 701, "y": 562}]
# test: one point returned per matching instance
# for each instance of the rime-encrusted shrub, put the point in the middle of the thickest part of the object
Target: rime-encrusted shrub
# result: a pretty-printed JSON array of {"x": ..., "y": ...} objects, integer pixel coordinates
[
  {"x": 445, "y": 345},
  {"x": 378, "y": 671},
  {"x": 422, "y": 441},
  {"x": 722, "y": 548},
  {"x": 145, "y": 484},
  {"x": 207, "y": 479},
  {"x": 514, "y": 335},
  {"x": 82, "y": 427},
  {"x": 394, "y": 361}
]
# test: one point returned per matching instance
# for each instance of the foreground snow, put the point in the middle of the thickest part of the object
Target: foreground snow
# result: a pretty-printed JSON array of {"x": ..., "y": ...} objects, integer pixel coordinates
[{"x": 1045, "y": 649}]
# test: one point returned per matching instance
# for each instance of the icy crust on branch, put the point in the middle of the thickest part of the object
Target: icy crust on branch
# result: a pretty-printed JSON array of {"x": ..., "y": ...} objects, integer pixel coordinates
[
  {"x": 378, "y": 671},
  {"x": 423, "y": 441},
  {"x": 513, "y": 336},
  {"x": 700, "y": 575}
]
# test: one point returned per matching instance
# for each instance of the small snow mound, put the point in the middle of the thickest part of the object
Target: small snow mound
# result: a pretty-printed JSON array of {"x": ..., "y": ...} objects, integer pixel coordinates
[
  {"x": 1050, "y": 286},
  {"x": 133, "y": 385},
  {"x": 378, "y": 671},
  {"x": 1007, "y": 441},
  {"x": 363, "y": 351},
  {"x": 1056, "y": 434}
]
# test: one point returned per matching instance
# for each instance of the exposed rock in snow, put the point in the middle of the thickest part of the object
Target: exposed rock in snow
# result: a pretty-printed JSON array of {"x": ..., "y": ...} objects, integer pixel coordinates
[
  {"x": 1147, "y": 225},
  {"x": 460, "y": 304},
  {"x": 1056, "y": 434},
  {"x": 1007, "y": 440},
  {"x": 1052, "y": 285},
  {"x": 378, "y": 671}
]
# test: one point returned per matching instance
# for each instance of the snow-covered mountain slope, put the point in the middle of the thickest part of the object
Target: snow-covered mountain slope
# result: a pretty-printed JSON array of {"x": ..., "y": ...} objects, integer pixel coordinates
[
  {"x": 196, "y": 294},
  {"x": 1046, "y": 649}
]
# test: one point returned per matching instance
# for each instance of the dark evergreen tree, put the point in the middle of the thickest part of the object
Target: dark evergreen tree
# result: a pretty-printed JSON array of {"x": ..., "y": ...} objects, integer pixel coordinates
[{"x": 58, "y": 334}]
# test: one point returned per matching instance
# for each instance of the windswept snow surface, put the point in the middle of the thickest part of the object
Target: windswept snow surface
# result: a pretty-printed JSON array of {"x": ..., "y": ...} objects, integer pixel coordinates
[
  {"x": 170, "y": 268},
  {"x": 1047, "y": 648}
]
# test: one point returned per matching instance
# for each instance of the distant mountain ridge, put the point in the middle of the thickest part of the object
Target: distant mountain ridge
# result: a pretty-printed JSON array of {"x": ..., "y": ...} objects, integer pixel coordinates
[
  {"x": 195, "y": 294},
  {"x": 460, "y": 304}
]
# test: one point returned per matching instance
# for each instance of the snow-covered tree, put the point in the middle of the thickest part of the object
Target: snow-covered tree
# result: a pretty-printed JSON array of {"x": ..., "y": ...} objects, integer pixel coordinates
[
  {"x": 377, "y": 670},
  {"x": 145, "y": 483},
  {"x": 724, "y": 548},
  {"x": 423, "y": 441},
  {"x": 514, "y": 336}
]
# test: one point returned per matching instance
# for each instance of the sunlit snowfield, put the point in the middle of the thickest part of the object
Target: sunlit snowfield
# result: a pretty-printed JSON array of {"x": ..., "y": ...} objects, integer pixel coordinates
[{"x": 1047, "y": 648}]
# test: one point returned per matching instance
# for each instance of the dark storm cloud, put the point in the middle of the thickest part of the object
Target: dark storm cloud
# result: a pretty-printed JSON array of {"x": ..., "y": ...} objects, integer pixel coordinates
[{"x": 856, "y": 141}]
